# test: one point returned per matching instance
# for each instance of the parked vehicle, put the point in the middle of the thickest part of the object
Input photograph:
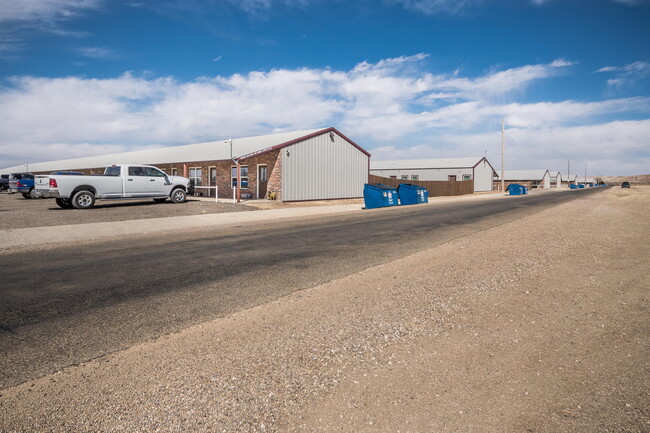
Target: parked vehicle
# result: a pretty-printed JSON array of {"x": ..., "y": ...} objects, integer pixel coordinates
[
  {"x": 4, "y": 182},
  {"x": 625, "y": 185},
  {"x": 66, "y": 173},
  {"x": 22, "y": 183},
  {"x": 123, "y": 181}
]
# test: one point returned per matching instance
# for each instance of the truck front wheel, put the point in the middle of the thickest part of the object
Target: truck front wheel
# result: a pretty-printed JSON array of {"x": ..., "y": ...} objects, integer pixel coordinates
[
  {"x": 178, "y": 195},
  {"x": 63, "y": 203},
  {"x": 83, "y": 200}
]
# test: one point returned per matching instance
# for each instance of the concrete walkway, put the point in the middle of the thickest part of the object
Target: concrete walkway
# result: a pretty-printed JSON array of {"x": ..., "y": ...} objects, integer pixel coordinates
[{"x": 23, "y": 237}]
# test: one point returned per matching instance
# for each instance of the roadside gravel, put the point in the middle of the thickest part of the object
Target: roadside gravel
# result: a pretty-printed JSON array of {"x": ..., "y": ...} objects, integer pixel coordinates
[
  {"x": 540, "y": 324},
  {"x": 18, "y": 212}
]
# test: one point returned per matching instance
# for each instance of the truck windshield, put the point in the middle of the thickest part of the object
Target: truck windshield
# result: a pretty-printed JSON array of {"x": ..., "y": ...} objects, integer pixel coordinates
[{"x": 112, "y": 171}]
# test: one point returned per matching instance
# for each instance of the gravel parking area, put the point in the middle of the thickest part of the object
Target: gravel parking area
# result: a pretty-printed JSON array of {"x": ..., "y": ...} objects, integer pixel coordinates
[
  {"x": 17, "y": 212},
  {"x": 538, "y": 325}
]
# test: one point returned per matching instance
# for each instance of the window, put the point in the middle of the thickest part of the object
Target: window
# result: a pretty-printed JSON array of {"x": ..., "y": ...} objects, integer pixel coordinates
[
  {"x": 262, "y": 175},
  {"x": 196, "y": 176},
  {"x": 405, "y": 177},
  {"x": 213, "y": 176},
  {"x": 112, "y": 171},
  {"x": 243, "y": 173},
  {"x": 393, "y": 177},
  {"x": 136, "y": 171},
  {"x": 174, "y": 172},
  {"x": 415, "y": 177},
  {"x": 467, "y": 177},
  {"x": 151, "y": 171}
]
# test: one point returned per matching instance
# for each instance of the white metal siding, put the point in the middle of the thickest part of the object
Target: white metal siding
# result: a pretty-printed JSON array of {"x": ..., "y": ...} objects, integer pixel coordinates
[
  {"x": 319, "y": 168},
  {"x": 426, "y": 173},
  {"x": 483, "y": 177}
]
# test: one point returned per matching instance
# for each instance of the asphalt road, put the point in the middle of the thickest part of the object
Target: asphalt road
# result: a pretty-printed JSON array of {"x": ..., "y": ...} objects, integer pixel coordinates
[{"x": 65, "y": 305}]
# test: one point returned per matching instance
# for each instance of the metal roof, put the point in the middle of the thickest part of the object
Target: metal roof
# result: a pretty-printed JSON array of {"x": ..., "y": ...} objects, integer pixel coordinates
[
  {"x": 410, "y": 164},
  {"x": 569, "y": 177},
  {"x": 523, "y": 174},
  {"x": 209, "y": 151}
]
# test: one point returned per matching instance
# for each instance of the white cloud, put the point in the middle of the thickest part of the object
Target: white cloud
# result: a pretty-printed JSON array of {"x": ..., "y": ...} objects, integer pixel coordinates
[
  {"x": 44, "y": 10},
  {"x": 96, "y": 52},
  {"x": 432, "y": 7},
  {"x": 391, "y": 104},
  {"x": 626, "y": 75}
]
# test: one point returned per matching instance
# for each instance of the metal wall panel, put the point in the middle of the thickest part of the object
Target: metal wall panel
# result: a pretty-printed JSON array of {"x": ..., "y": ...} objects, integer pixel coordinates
[
  {"x": 439, "y": 174},
  {"x": 483, "y": 177},
  {"x": 319, "y": 168}
]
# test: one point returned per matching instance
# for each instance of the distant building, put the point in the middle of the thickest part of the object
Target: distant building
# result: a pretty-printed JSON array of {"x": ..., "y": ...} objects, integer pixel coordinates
[
  {"x": 477, "y": 169},
  {"x": 569, "y": 179},
  {"x": 302, "y": 165},
  {"x": 586, "y": 180},
  {"x": 556, "y": 179},
  {"x": 529, "y": 178}
]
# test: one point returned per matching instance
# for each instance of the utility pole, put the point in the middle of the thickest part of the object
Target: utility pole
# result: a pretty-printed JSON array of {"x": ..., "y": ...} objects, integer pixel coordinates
[
  {"x": 235, "y": 191},
  {"x": 585, "y": 173},
  {"x": 503, "y": 149},
  {"x": 568, "y": 173}
]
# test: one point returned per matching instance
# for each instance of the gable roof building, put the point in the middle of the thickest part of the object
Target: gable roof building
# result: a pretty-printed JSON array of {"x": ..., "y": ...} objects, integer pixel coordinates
[
  {"x": 300, "y": 165},
  {"x": 530, "y": 178},
  {"x": 477, "y": 169}
]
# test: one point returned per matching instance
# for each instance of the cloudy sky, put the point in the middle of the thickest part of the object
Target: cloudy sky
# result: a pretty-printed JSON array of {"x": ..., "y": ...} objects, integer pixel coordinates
[{"x": 402, "y": 78}]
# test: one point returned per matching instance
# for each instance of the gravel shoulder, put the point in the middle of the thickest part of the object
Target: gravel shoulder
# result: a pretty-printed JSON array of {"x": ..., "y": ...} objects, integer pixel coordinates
[
  {"x": 540, "y": 324},
  {"x": 17, "y": 212}
]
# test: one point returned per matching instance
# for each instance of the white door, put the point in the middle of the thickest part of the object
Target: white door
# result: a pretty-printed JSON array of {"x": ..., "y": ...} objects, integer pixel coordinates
[
  {"x": 137, "y": 184},
  {"x": 156, "y": 181}
]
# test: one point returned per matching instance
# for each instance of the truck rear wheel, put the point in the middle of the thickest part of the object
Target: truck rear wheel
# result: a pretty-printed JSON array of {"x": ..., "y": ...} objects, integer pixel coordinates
[
  {"x": 178, "y": 195},
  {"x": 63, "y": 203},
  {"x": 32, "y": 193},
  {"x": 83, "y": 200}
]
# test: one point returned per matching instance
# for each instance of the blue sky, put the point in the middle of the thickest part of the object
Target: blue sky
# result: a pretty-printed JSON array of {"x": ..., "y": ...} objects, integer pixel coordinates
[{"x": 403, "y": 78}]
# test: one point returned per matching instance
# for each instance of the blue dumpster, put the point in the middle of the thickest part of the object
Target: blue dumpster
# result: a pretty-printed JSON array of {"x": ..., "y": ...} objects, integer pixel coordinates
[
  {"x": 573, "y": 186},
  {"x": 379, "y": 195},
  {"x": 525, "y": 189},
  {"x": 516, "y": 189},
  {"x": 412, "y": 194},
  {"x": 581, "y": 185}
]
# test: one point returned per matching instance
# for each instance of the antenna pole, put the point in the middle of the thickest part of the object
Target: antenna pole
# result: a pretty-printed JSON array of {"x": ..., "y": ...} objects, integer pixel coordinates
[{"x": 503, "y": 149}]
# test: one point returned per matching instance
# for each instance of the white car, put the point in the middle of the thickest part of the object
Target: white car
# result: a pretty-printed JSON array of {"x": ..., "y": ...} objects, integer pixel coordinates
[{"x": 119, "y": 182}]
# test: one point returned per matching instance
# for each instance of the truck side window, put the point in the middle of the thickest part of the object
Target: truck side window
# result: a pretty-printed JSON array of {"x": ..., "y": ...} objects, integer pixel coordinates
[
  {"x": 112, "y": 171},
  {"x": 150, "y": 171},
  {"x": 136, "y": 171}
]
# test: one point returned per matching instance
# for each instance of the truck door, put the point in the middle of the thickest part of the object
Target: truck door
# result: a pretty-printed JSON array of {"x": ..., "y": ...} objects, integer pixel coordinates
[
  {"x": 136, "y": 184},
  {"x": 157, "y": 183}
]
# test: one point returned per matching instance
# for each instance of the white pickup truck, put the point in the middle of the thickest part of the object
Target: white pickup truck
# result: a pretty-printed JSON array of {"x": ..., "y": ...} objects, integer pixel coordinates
[{"x": 121, "y": 181}]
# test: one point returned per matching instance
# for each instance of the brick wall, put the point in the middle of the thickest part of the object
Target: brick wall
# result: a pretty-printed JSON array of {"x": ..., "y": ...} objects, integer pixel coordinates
[
  {"x": 224, "y": 180},
  {"x": 275, "y": 175}
]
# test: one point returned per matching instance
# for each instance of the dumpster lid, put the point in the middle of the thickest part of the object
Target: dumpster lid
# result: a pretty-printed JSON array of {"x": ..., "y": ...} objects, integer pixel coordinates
[
  {"x": 379, "y": 186},
  {"x": 410, "y": 186}
]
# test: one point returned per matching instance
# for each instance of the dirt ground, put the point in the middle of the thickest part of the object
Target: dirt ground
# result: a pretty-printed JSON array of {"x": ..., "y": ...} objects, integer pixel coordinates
[
  {"x": 18, "y": 212},
  {"x": 538, "y": 325}
]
